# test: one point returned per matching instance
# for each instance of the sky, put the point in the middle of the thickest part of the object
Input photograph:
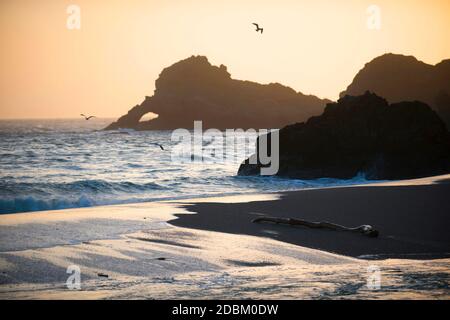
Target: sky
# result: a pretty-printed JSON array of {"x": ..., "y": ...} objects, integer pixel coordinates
[{"x": 110, "y": 63}]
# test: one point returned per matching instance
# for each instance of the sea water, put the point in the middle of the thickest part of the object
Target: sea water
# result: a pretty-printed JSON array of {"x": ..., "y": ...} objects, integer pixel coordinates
[{"x": 69, "y": 163}]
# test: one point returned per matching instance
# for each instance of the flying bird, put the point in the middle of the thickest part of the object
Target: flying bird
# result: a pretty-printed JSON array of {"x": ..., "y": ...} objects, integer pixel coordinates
[
  {"x": 159, "y": 145},
  {"x": 87, "y": 118},
  {"x": 258, "y": 28}
]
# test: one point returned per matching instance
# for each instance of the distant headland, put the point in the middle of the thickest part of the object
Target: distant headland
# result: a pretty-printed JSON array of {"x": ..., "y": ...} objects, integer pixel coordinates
[{"x": 397, "y": 78}]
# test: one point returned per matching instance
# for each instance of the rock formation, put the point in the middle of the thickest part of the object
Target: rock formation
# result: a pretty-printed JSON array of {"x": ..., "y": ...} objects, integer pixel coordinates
[
  {"x": 193, "y": 89},
  {"x": 364, "y": 134},
  {"x": 404, "y": 78}
]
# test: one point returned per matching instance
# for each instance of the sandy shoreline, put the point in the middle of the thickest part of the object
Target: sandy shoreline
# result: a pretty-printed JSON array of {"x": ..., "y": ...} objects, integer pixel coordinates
[
  {"x": 413, "y": 220},
  {"x": 218, "y": 253}
]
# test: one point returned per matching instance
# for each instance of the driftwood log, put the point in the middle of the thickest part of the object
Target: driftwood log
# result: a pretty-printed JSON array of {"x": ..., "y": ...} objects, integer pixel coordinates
[{"x": 364, "y": 229}]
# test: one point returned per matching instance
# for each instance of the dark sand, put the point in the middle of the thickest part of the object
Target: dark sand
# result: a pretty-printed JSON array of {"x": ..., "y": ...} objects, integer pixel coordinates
[{"x": 413, "y": 221}]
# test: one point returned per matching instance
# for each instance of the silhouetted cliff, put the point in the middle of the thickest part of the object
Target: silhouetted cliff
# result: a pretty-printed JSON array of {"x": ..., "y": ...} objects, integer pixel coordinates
[
  {"x": 364, "y": 134},
  {"x": 404, "y": 78},
  {"x": 193, "y": 89}
]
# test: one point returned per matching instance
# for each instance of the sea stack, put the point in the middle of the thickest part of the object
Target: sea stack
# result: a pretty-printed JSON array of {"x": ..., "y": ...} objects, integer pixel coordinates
[
  {"x": 193, "y": 89},
  {"x": 364, "y": 135}
]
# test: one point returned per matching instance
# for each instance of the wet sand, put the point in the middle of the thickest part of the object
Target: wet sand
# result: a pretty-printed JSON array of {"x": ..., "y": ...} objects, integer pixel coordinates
[
  {"x": 148, "y": 253},
  {"x": 413, "y": 221}
]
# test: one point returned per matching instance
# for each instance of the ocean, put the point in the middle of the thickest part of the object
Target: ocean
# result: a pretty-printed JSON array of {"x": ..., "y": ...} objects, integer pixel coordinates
[{"x": 70, "y": 163}]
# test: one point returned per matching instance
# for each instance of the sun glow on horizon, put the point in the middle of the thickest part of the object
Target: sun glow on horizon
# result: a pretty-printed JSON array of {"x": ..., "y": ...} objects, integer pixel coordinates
[{"x": 111, "y": 63}]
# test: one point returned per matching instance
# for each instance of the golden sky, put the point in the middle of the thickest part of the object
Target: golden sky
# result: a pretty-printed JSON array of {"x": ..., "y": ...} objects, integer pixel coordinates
[{"x": 111, "y": 63}]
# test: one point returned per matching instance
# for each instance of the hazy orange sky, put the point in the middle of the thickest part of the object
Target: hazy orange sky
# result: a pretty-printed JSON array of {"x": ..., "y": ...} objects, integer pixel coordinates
[{"x": 111, "y": 63}]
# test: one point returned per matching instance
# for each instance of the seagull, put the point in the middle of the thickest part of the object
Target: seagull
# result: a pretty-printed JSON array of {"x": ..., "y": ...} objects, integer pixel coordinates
[
  {"x": 159, "y": 145},
  {"x": 87, "y": 118},
  {"x": 258, "y": 28}
]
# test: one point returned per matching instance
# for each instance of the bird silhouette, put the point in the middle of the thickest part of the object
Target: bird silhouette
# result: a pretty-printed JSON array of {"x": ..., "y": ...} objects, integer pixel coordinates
[
  {"x": 87, "y": 118},
  {"x": 159, "y": 145},
  {"x": 258, "y": 28}
]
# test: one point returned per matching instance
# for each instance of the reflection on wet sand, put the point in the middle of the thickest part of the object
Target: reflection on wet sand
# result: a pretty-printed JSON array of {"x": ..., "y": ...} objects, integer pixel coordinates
[{"x": 145, "y": 257}]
